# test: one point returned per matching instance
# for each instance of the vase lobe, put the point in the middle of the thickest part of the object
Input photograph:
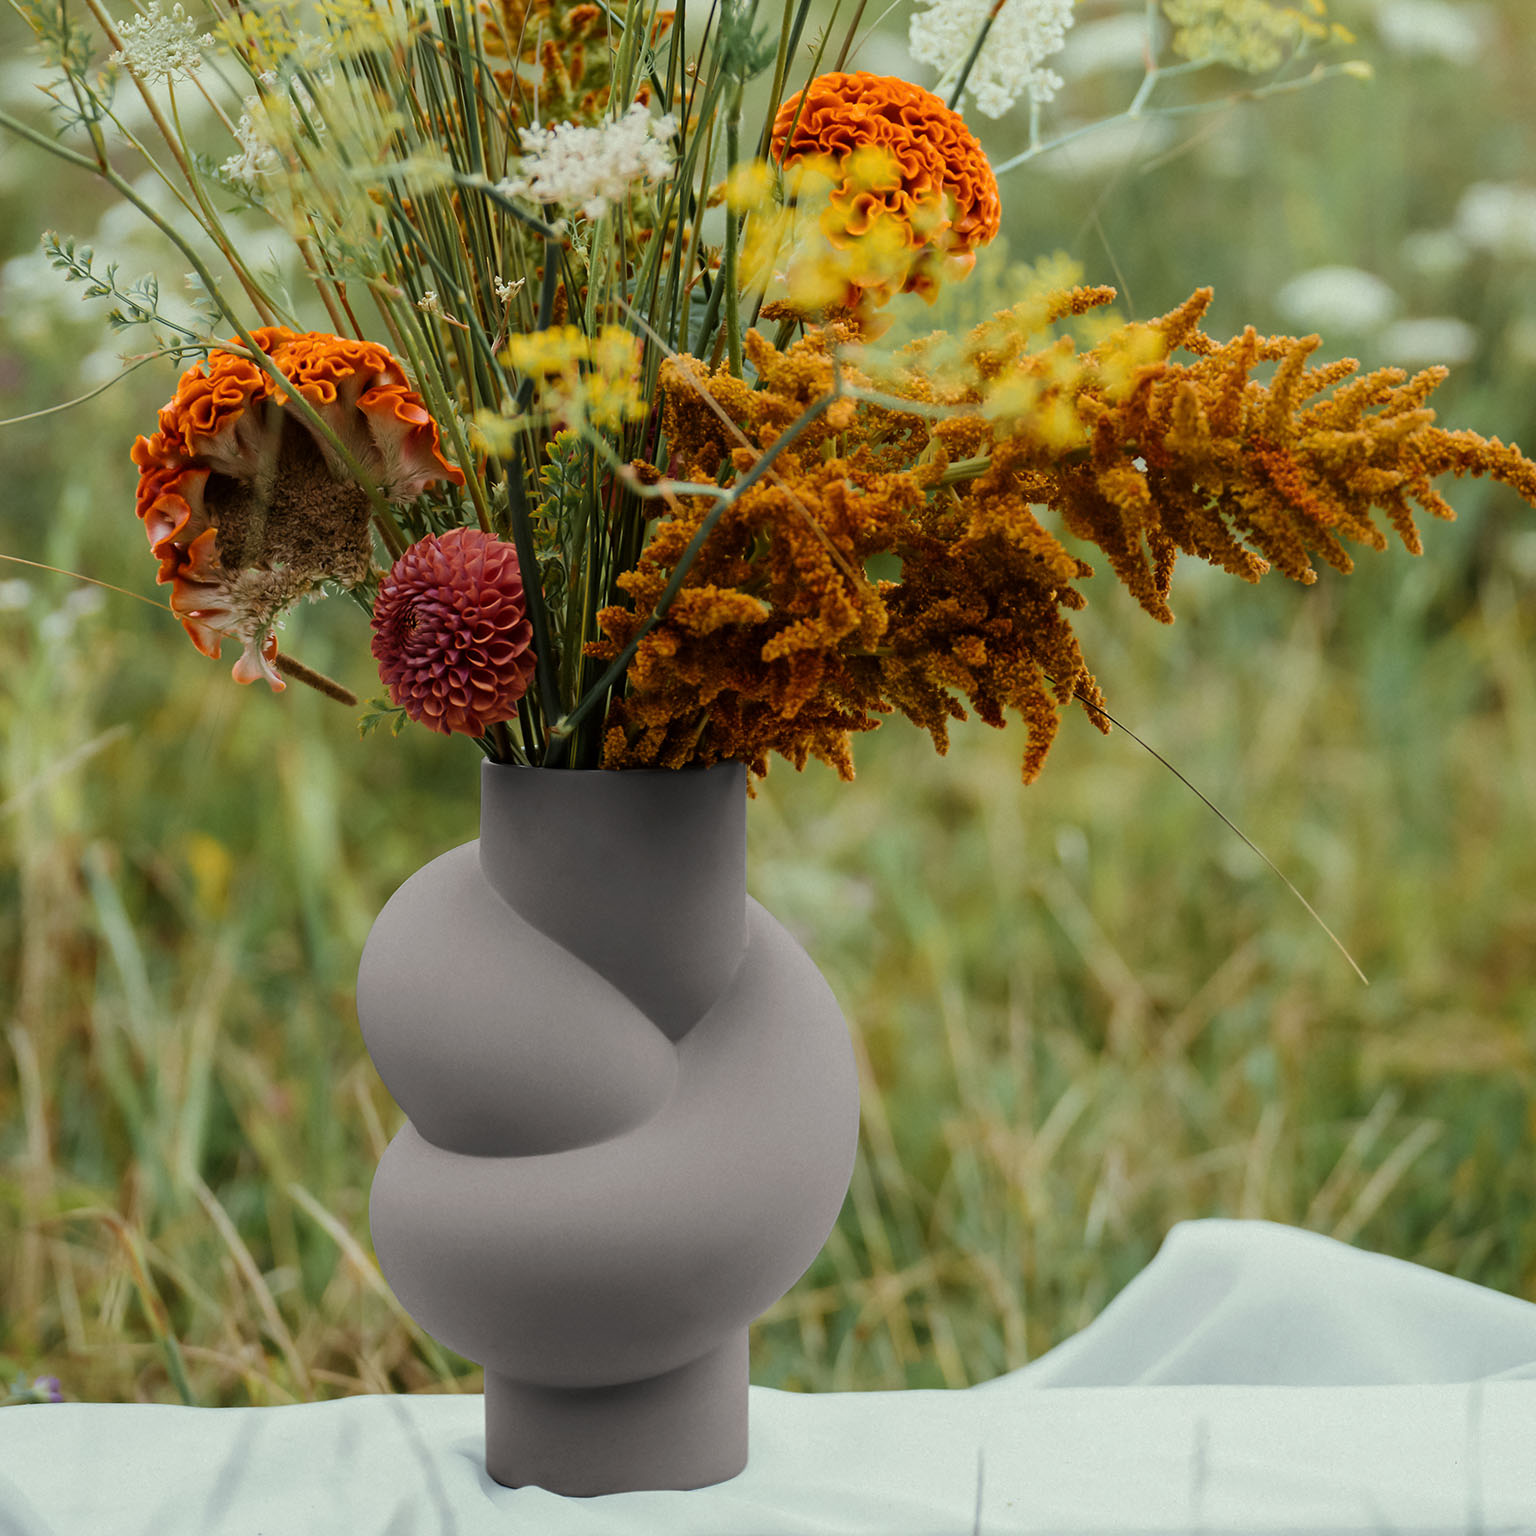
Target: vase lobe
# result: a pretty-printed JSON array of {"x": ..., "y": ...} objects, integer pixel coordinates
[
  {"x": 642, "y": 874},
  {"x": 492, "y": 1038}
]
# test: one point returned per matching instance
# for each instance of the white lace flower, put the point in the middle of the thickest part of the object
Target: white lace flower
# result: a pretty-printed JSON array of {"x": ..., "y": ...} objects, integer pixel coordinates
[
  {"x": 156, "y": 45},
  {"x": 257, "y": 157},
  {"x": 1012, "y": 60},
  {"x": 259, "y": 132},
  {"x": 591, "y": 169}
]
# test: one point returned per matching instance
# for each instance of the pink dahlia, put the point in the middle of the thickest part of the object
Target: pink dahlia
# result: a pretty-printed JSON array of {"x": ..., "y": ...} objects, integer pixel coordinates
[{"x": 451, "y": 632}]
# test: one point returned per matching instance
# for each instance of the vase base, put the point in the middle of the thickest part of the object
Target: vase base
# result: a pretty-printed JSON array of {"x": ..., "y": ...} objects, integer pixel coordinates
[{"x": 684, "y": 1429}]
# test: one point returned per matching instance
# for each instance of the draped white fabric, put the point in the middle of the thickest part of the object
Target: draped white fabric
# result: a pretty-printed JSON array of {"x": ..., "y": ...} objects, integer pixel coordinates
[{"x": 1254, "y": 1378}]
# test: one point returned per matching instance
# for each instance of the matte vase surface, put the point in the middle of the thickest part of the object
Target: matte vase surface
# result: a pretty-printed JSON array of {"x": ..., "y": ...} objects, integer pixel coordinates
[{"x": 632, "y": 1115}]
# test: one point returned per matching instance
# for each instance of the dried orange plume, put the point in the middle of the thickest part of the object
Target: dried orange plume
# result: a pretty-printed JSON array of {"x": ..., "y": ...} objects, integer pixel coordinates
[{"x": 779, "y": 643}]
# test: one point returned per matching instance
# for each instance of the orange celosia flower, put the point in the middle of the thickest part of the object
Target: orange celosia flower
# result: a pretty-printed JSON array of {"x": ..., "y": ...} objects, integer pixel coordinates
[
  {"x": 248, "y": 511},
  {"x": 939, "y": 194}
]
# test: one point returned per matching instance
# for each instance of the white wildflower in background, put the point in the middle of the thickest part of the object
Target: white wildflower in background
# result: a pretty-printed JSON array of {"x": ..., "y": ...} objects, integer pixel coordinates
[
  {"x": 58, "y": 624},
  {"x": 15, "y": 595},
  {"x": 1331, "y": 299},
  {"x": 1498, "y": 217},
  {"x": 156, "y": 45},
  {"x": 591, "y": 169},
  {"x": 1428, "y": 340},
  {"x": 1435, "y": 253},
  {"x": 1012, "y": 60},
  {"x": 1433, "y": 29},
  {"x": 429, "y": 303},
  {"x": 505, "y": 290}
]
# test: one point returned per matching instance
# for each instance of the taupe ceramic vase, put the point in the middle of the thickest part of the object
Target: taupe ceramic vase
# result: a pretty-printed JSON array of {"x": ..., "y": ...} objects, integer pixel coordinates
[{"x": 632, "y": 1114}]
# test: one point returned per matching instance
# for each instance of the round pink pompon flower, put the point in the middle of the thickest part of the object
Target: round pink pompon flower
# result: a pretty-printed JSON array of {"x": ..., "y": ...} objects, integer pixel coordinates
[{"x": 451, "y": 632}]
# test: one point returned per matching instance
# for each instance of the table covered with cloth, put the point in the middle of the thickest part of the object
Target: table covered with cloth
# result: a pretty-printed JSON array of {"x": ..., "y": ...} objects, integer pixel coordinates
[{"x": 1253, "y": 1378}]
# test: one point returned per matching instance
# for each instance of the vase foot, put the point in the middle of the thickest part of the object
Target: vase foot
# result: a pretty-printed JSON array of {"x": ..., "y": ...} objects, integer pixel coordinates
[{"x": 684, "y": 1429}]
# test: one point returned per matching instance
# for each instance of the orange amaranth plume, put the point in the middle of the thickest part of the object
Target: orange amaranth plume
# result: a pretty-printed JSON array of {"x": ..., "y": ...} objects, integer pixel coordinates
[{"x": 248, "y": 510}]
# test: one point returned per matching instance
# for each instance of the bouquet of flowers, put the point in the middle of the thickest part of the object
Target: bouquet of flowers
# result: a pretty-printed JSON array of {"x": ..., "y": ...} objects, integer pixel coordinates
[{"x": 599, "y": 431}]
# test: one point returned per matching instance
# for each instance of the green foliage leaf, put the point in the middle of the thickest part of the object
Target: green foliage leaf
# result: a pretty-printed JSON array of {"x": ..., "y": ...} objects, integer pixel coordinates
[
  {"x": 382, "y": 713},
  {"x": 137, "y": 304}
]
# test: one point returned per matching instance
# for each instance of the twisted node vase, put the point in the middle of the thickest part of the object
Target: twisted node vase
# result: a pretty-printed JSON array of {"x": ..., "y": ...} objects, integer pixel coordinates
[{"x": 632, "y": 1110}]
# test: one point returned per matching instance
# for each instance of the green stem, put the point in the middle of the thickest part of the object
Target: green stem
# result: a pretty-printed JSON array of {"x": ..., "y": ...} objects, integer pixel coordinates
[
  {"x": 853, "y": 27},
  {"x": 972, "y": 56},
  {"x": 215, "y": 227},
  {"x": 533, "y": 586},
  {"x": 965, "y": 469},
  {"x": 117, "y": 378},
  {"x": 1190, "y": 109},
  {"x": 733, "y": 224}
]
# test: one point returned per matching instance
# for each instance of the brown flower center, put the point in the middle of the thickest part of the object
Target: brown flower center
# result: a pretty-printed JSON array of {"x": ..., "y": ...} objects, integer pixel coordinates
[{"x": 292, "y": 513}]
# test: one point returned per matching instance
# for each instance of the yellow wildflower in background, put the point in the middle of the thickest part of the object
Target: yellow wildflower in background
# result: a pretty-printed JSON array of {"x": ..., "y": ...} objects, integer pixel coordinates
[
  {"x": 1255, "y": 35},
  {"x": 268, "y": 34}
]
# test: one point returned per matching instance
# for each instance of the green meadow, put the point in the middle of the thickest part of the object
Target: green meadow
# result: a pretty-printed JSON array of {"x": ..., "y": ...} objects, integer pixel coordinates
[{"x": 1083, "y": 1010}]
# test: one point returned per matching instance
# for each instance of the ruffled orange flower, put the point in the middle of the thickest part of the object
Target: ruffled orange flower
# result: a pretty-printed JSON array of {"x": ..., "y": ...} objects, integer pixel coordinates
[
  {"x": 247, "y": 510},
  {"x": 938, "y": 194}
]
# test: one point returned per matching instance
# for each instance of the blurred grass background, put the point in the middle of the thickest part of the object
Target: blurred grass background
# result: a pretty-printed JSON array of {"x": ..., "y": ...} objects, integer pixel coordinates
[{"x": 1083, "y": 1011}]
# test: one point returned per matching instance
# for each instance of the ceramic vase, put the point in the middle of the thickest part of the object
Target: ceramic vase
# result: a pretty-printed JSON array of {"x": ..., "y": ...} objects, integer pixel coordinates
[{"x": 632, "y": 1111}]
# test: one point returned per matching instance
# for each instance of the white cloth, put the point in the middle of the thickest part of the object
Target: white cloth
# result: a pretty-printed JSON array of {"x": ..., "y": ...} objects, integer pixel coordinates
[
  {"x": 1254, "y": 1303},
  {"x": 1253, "y": 1379}
]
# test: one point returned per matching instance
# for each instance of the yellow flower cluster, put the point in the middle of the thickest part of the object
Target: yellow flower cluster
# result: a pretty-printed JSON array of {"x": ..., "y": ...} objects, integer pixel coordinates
[
  {"x": 579, "y": 379},
  {"x": 780, "y": 642},
  {"x": 274, "y": 32},
  {"x": 1255, "y": 35}
]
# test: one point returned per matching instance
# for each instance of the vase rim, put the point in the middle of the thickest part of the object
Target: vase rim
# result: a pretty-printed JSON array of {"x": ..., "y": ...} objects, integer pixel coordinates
[{"x": 617, "y": 773}]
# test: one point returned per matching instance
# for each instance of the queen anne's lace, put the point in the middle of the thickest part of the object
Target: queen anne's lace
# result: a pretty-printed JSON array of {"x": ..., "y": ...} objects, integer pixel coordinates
[
  {"x": 156, "y": 45},
  {"x": 266, "y": 123},
  {"x": 257, "y": 158},
  {"x": 1011, "y": 62},
  {"x": 591, "y": 169}
]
